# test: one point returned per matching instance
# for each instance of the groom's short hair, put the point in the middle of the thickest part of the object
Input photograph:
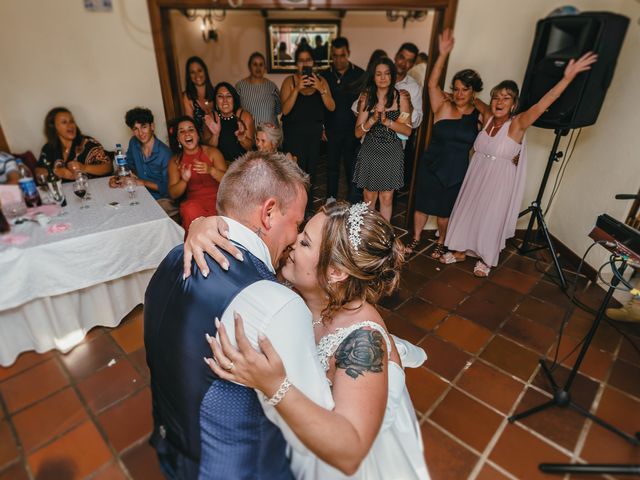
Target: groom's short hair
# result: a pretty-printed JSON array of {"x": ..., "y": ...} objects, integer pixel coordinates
[{"x": 256, "y": 177}]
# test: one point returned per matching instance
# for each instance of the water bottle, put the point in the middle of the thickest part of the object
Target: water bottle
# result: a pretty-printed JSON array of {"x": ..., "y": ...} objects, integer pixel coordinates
[
  {"x": 28, "y": 186},
  {"x": 121, "y": 166}
]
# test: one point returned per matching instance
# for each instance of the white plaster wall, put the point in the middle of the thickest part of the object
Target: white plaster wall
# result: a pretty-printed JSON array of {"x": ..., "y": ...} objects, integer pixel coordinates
[
  {"x": 495, "y": 37},
  {"x": 97, "y": 64}
]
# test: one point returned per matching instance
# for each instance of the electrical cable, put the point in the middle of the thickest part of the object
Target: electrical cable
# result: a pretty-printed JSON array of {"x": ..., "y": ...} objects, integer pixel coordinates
[
  {"x": 611, "y": 262},
  {"x": 561, "y": 172},
  {"x": 555, "y": 182},
  {"x": 630, "y": 287},
  {"x": 567, "y": 312},
  {"x": 577, "y": 302}
]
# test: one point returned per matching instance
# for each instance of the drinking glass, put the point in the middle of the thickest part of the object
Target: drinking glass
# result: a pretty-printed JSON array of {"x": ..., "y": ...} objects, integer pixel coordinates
[
  {"x": 14, "y": 210},
  {"x": 45, "y": 195},
  {"x": 41, "y": 180},
  {"x": 55, "y": 188},
  {"x": 130, "y": 185},
  {"x": 80, "y": 189},
  {"x": 80, "y": 175}
]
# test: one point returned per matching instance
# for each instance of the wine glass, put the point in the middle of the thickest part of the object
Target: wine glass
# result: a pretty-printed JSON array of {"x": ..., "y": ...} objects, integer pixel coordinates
[
  {"x": 83, "y": 176},
  {"x": 14, "y": 210},
  {"x": 80, "y": 189},
  {"x": 130, "y": 185},
  {"x": 41, "y": 180},
  {"x": 45, "y": 192},
  {"x": 55, "y": 189}
]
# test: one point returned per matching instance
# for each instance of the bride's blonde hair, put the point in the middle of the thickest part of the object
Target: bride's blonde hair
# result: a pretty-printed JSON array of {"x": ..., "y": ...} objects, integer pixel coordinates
[{"x": 373, "y": 267}]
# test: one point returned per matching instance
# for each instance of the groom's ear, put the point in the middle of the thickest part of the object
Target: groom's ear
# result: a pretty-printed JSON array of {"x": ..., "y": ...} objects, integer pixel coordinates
[
  {"x": 336, "y": 274},
  {"x": 267, "y": 212}
]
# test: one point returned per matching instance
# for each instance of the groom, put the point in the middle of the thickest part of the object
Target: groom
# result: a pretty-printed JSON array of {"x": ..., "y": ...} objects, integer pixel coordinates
[{"x": 205, "y": 427}]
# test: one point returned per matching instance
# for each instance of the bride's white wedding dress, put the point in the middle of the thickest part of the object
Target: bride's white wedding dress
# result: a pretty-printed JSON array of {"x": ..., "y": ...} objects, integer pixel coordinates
[{"x": 397, "y": 453}]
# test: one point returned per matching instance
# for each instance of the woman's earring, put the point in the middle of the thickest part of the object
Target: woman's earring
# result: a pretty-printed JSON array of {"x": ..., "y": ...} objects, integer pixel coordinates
[{"x": 180, "y": 146}]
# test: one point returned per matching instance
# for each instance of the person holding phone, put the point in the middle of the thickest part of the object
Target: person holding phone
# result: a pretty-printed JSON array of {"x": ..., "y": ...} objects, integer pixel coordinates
[{"x": 305, "y": 98}]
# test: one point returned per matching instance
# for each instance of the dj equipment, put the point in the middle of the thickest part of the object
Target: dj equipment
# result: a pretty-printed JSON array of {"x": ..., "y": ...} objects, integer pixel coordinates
[
  {"x": 625, "y": 239},
  {"x": 624, "y": 242}
]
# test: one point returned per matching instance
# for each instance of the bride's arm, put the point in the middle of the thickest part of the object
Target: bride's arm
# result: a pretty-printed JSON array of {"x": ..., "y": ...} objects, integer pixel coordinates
[
  {"x": 207, "y": 235},
  {"x": 342, "y": 437}
]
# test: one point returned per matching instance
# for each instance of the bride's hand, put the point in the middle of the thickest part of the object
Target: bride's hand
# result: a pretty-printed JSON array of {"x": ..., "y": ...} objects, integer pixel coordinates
[
  {"x": 263, "y": 371},
  {"x": 208, "y": 235}
]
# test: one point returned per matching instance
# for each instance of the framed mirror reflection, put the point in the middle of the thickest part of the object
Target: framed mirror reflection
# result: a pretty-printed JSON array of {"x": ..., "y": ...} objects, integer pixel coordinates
[{"x": 285, "y": 36}]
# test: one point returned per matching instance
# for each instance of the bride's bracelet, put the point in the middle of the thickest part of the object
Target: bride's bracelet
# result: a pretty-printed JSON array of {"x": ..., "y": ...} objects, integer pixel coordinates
[{"x": 279, "y": 395}]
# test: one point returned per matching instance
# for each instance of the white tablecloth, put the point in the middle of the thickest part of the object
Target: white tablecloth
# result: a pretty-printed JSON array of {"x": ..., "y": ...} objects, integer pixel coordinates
[{"x": 55, "y": 287}]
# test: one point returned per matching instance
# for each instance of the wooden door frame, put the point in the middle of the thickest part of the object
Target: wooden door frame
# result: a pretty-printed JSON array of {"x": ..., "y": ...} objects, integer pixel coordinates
[
  {"x": 161, "y": 30},
  {"x": 4, "y": 146}
]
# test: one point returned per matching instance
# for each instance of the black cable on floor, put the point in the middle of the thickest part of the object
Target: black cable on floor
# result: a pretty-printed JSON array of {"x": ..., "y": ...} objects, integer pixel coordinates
[
  {"x": 577, "y": 302},
  {"x": 567, "y": 312}
]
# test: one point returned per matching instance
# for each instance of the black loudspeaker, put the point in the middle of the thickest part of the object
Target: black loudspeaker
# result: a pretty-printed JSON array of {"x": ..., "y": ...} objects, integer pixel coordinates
[{"x": 558, "y": 40}]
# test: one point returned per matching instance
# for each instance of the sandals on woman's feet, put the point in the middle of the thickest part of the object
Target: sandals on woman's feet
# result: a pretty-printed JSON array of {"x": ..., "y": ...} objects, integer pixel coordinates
[
  {"x": 410, "y": 247},
  {"x": 481, "y": 269},
  {"x": 449, "y": 258},
  {"x": 438, "y": 251}
]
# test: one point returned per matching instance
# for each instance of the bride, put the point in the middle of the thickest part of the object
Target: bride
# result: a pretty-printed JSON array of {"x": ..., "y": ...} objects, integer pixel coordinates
[{"x": 345, "y": 259}]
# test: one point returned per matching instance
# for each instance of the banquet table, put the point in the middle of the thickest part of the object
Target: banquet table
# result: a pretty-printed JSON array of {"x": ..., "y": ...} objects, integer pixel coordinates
[{"x": 85, "y": 268}]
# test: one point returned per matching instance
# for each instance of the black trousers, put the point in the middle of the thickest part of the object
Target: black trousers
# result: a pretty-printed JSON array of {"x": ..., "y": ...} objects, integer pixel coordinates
[
  {"x": 341, "y": 152},
  {"x": 303, "y": 141}
]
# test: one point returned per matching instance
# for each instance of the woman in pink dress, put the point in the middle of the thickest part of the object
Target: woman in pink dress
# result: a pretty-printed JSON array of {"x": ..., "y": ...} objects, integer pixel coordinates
[
  {"x": 195, "y": 171},
  {"x": 486, "y": 211}
]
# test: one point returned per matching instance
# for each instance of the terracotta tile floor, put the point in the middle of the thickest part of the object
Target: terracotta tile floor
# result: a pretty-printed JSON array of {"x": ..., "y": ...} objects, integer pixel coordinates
[{"x": 87, "y": 414}]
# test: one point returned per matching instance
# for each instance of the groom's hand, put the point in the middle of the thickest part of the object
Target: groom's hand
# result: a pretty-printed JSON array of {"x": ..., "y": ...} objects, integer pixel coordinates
[{"x": 207, "y": 235}]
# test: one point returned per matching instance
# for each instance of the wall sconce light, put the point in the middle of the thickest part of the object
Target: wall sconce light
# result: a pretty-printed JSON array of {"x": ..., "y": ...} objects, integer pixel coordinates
[
  {"x": 406, "y": 16},
  {"x": 208, "y": 19}
]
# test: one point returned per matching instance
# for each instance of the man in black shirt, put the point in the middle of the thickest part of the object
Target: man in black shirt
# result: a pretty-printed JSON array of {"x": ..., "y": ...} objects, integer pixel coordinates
[
  {"x": 320, "y": 53},
  {"x": 340, "y": 124}
]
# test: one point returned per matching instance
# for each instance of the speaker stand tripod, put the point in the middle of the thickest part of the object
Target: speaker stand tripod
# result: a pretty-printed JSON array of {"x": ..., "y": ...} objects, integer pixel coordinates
[
  {"x": 536, "y": 214},
  {"x": 562, "y": 394}
]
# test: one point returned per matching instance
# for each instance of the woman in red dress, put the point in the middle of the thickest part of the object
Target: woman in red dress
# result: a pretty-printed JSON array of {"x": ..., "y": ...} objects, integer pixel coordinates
[{"x": 195, "y": 171}]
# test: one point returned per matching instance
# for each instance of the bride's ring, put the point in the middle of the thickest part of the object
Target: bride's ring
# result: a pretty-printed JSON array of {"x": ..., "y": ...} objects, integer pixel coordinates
[{"x": 230, "y": 367}]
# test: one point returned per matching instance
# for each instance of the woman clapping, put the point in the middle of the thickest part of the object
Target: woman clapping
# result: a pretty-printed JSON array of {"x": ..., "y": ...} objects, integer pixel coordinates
[{"x": 195, "y": 171}]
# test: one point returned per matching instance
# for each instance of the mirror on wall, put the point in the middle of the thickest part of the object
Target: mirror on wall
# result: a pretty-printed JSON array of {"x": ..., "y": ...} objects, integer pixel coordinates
[{"x": 285, "y": 36}]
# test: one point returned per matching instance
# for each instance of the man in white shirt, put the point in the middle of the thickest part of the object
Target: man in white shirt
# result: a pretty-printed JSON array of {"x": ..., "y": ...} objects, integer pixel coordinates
[
  {"x": 205, "y": 427},
  {"x": 419, "y": 70},
  {"x": 404, "y": 61}
]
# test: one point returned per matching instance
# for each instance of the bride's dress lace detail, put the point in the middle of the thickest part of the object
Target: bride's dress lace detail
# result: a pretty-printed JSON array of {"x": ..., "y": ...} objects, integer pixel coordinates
[{"x": 328, "y": 344}]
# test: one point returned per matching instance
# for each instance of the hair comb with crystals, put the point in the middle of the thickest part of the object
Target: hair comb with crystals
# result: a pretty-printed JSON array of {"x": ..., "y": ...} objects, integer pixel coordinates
[{"x": 355, "y": 221}]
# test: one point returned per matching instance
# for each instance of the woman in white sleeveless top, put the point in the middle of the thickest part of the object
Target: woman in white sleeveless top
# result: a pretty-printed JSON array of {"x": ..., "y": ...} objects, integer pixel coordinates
[{"x": 343, "y": 262}]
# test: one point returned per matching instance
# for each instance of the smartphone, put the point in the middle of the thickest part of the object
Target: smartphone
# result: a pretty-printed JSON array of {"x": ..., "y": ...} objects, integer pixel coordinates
[{"x": 307, "y": 71}]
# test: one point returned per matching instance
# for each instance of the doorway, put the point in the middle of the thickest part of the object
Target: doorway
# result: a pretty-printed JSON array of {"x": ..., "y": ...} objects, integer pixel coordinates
[{"x": 242, "y": 30}]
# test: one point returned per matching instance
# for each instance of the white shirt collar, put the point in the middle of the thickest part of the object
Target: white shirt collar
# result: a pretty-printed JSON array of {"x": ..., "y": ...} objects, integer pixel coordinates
[
  {"x": 407, "y": 80},
  {"x": 250, "y": 241}
]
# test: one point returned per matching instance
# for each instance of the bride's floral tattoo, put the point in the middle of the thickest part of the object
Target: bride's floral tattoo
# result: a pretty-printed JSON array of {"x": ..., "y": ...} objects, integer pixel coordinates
[{"x": 362, "y": 351}]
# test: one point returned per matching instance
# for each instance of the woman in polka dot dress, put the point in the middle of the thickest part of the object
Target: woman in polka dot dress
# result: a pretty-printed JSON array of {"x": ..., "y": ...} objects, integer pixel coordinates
[{"x": 383, "y": 115}]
